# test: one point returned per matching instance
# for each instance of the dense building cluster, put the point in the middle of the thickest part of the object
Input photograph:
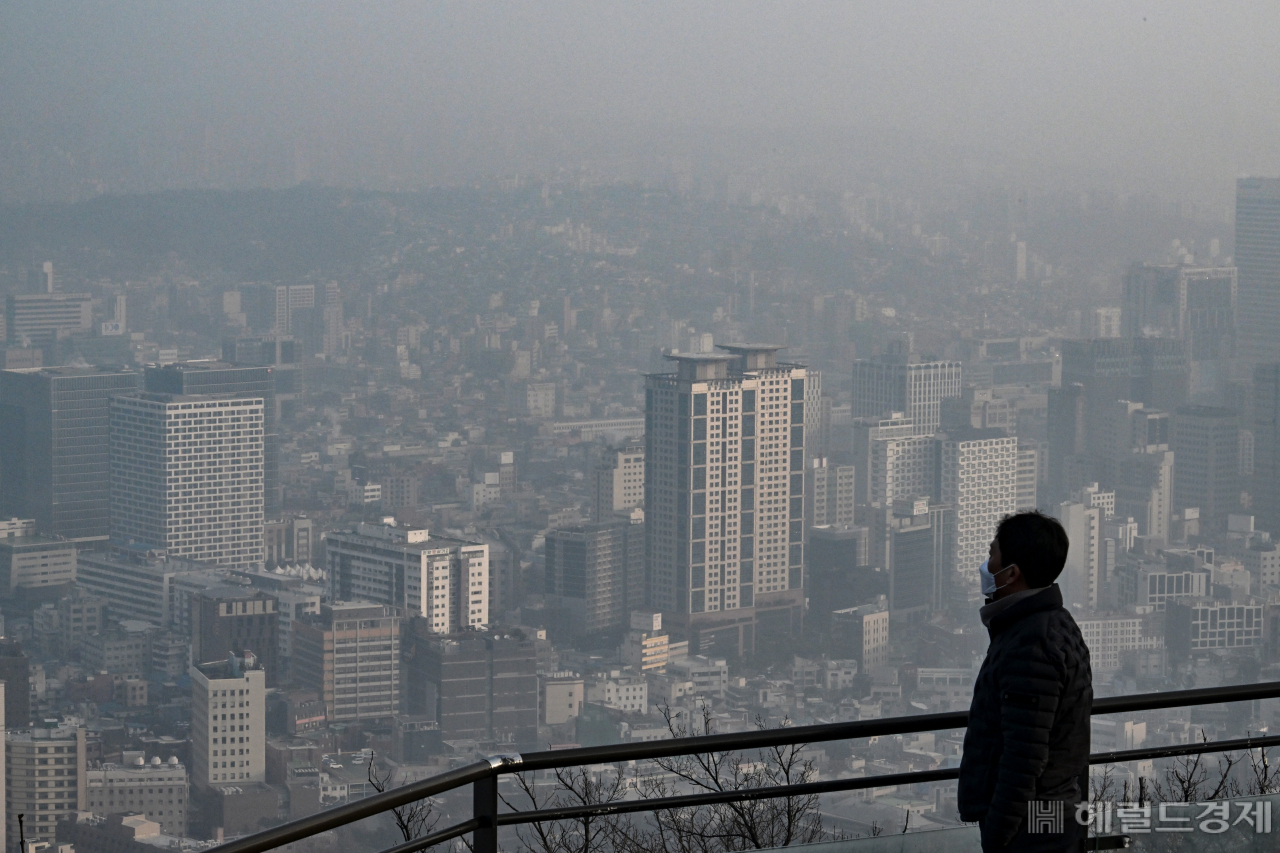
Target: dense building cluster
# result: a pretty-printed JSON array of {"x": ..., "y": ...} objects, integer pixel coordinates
[{"x": 539, "y": 461}]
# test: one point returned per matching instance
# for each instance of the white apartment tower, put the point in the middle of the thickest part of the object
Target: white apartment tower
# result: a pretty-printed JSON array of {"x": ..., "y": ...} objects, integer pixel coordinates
[
  {"x": 445, "y": 581},
  {"x": 898, "y": 381},
  {"x": 979, "y": 478},
  {"x": 186, "y": 475},
  {"x": 228, "y": 722},
  {"x": 724, "y": 494}
]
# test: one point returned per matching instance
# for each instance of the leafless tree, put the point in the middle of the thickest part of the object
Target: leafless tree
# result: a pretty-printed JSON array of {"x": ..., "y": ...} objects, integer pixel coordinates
[
  {"x": 1191, "y": 780},
  {"x": 413, "y": 820},
  {"x": 727, "y": 827},
  {"x": 574, "y": 786},
  {"x": 1266, "y": 776}
]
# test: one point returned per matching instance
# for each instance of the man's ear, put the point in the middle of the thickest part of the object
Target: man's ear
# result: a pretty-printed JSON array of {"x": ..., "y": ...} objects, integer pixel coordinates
[{"x": 1015, "y": 575}]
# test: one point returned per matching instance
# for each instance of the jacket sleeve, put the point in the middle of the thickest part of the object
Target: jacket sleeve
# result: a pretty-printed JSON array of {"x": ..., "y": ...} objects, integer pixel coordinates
[{"x": 1031, "y": 685}]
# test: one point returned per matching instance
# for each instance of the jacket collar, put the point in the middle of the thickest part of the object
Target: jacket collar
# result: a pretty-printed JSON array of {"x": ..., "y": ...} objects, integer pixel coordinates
[{"x": 1049, "y": 598}]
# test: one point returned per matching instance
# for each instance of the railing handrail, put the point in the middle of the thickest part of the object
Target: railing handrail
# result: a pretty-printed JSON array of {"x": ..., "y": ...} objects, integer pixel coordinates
[{"x": 487, "y": 819}]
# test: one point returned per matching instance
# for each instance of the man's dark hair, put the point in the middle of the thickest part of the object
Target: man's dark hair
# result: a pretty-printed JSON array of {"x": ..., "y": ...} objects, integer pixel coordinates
[{"x": 1037, "y": 543}]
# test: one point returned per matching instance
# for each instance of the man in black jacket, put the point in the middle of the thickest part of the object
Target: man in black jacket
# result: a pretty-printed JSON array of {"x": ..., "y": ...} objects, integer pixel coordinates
[{"x": 1026, "y": 751}]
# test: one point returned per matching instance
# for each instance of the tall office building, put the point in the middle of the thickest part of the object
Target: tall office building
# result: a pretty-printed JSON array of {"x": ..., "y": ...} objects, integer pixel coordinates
[
  {"x": 1206, "y": 445},
  {"x": 365, "y": 639},
  {"x": 217, "y": 377},
  {"x": 445, "y": 581},
  {"x": 595, "y": 573},
  {"x": 899, "y": 382},
  {"x": 1265, "y": 487},
  {"x": 913, "y": 542},
  {"x": 236, "y": 617},
  {"x": 54, "y": 453},
  {"x": 617, "y": 481},
  {"x": 1258, "y": 259},
  {"x": 186, "y": 475},
  {"x": 1194, "y": 304},
  {"x": 228, "y": 721},
  {"x": 474, "y": 686},
  {"x": 1069, "y": 463},
  {"x": 1151, "y": 371},
  {"x": 15, "y": 672},
  {"x": 38, "y": 319},
  {"x": 979, "y": 479},
  {"x": 283, "y": 354},
  {"x": 289, "y": 541},
  {"x": 271, "y": 307},
  {"x": 724, "y": 496},
  {"x": 891, "y": 460}
]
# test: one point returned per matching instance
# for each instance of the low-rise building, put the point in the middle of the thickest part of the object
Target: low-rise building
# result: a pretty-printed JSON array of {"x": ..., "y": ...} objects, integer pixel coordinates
[
  {"x": 156, "y": 789},
  {"x": 620, "y": 691},
  {"x": 561, "y": 699}
]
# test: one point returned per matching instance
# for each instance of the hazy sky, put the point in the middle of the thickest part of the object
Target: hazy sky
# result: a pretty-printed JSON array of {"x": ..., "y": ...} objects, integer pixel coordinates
[{"x": 1175, "y": 96}]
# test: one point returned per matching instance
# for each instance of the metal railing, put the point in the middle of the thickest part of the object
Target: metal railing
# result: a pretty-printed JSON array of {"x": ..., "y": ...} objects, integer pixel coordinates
[{"x": 483, "y": 775}]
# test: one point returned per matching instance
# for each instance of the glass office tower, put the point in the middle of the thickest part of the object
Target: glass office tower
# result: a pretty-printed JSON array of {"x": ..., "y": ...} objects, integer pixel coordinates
[{"x": 54, "y": 464}]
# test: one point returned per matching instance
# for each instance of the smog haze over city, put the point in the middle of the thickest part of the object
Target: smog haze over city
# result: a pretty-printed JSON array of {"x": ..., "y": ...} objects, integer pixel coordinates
[{"x": 435, "y": 381}]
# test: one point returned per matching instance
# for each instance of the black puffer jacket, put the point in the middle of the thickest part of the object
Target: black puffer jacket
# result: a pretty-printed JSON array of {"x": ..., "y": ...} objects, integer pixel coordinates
[{"x": 1028, "y": 736}]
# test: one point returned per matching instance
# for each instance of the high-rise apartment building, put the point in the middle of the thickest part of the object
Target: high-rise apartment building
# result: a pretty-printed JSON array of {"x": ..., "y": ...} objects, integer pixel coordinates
[
  {"x": 1257, "y": 257},
  {"x": 155, "y": 789},
  {"x": 350, "y": 654},
  {"x": 979, "y": 478},
  {"x": 1266, "y": 446},
  {"x": 54, "y": 792},
  {"x": 829, "y": 493},
  {"x": 228, "y": 722},
  {"x": 1084, "y": 577},
  {"x": 445, "y": 581},
  {"x": 216, "y": 377},
  {"x": 617, "y": 481},
  {"x": 236, "y": 617},
  {"x": 1206, "y": 445},
  {"x": 595, "y": 573},
  {"x": 724, "y": 495},
  {"x": 186, "y": 475},
  {"x": 899, "y": 382},
  {"x": 54, "y": 449},
  {"x": 1028, "y": 477}
]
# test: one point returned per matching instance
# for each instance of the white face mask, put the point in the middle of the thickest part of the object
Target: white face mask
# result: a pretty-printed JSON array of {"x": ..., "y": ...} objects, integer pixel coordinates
[{"x": 989, "y": 587}]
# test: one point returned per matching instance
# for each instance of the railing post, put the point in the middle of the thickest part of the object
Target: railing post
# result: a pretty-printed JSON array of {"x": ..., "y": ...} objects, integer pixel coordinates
[
  {"x": 484, "y": 805},
  {"x": 485, "y": 811}
]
